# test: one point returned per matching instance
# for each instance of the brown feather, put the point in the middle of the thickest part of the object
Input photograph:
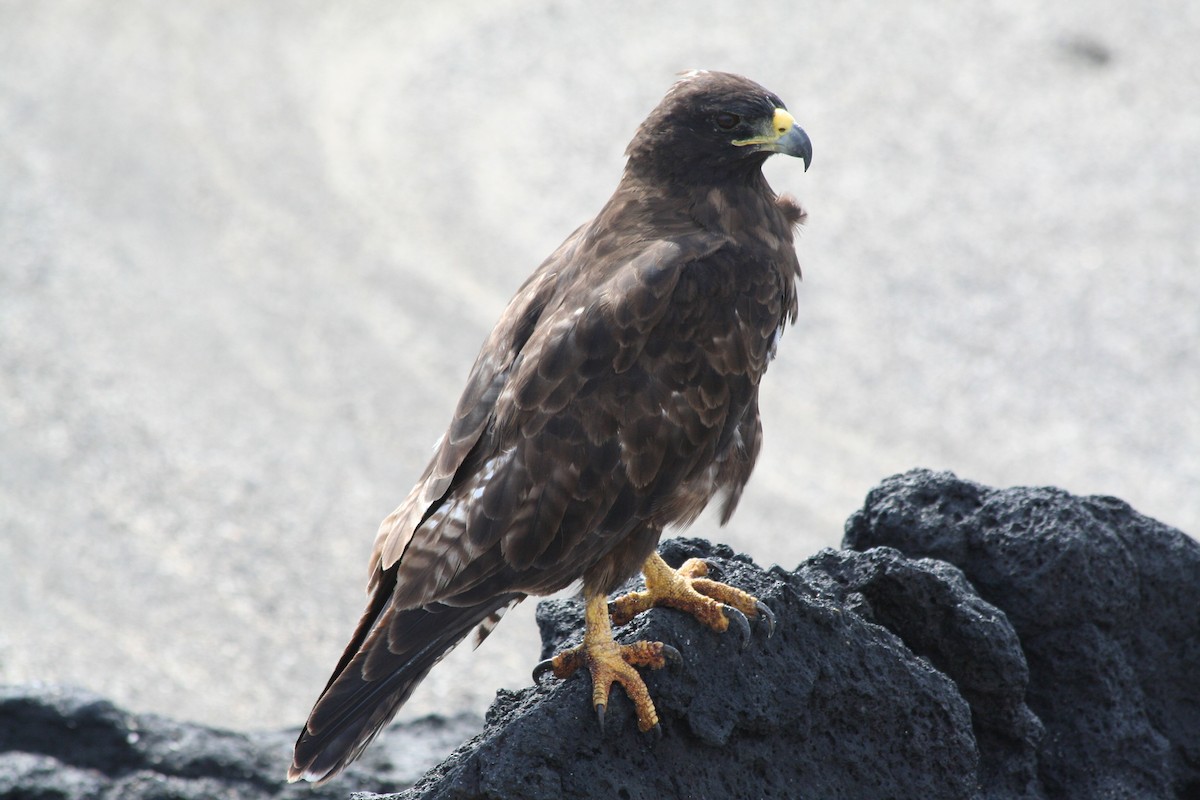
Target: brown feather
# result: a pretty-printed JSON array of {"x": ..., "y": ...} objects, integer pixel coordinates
[{"x": 617, "y": 395}]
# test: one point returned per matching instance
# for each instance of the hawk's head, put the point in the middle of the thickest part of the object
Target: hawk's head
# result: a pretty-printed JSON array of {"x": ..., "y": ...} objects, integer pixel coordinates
[{"x": 715, "y": 126}]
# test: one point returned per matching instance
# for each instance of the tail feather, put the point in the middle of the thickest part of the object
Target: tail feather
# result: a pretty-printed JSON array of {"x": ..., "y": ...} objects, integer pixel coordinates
[{"x": 385, "y": 661}]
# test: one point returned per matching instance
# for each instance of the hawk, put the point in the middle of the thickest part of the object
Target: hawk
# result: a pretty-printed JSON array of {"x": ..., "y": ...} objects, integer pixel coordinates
[{"x": 617, "y": 395}]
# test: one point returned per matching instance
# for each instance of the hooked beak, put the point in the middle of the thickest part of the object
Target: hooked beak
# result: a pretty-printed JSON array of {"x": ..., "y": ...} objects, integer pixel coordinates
[{"x": 784, "y": 136}]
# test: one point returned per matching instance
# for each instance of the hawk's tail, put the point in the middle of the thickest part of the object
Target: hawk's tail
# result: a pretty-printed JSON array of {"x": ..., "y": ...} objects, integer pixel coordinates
[{"x": 389, "y": 655}]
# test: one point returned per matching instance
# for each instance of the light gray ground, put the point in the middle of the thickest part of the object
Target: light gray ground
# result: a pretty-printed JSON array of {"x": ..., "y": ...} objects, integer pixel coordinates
[{"x": 248, "y": 251}]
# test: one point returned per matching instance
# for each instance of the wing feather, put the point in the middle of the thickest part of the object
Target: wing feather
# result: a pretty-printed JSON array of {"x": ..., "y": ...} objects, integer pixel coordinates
[
  {"x": 475, "y": 410},
  {"x": 596, "y": 402},
  {"x": 546, "y": 417}
]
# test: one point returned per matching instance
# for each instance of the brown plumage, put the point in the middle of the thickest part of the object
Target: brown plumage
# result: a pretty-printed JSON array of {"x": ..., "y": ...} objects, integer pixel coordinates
[{"x": 618, "y": 394}]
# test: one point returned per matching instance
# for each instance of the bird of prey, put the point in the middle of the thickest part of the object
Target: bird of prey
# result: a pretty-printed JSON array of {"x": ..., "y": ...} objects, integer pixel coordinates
[{"x": 617, "y": 395}]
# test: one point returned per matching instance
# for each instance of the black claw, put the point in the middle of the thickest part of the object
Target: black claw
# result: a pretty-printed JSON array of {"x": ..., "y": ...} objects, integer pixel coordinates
[
  {"x": 738, "y": 619},
  {"x": 767, "y": 615},
  {"x": 656, "y": 732},
  {"x": 671, "y": 655},
  {"x": 600, "y": 716},
  {"x": 541, "y": 668}
]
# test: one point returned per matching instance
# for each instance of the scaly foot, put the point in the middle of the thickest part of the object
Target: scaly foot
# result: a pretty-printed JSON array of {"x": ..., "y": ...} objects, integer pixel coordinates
[
  {"x": 715, "y": 604},
  {"x": 610, "y": 662}
]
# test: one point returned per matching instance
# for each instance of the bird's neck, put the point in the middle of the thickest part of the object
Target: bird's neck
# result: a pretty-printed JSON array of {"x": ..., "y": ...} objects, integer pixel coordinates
[
  {"x": 714, "y": 201},
  {"x": 682, "y": 176},
  {"x": 724, "y": 207}
]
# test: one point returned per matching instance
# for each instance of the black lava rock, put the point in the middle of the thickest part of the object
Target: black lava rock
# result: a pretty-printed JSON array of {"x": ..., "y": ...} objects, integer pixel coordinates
[
  {"x": 68, "y": 744},
  {"x": 968, "y": 642},
  {"x": 833, "y": 705},
  {"x": 1106, "y": 603}
]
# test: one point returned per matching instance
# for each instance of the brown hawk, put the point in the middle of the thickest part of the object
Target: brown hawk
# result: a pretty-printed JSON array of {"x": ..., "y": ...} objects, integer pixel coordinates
[{"x": 617, "y": 395}]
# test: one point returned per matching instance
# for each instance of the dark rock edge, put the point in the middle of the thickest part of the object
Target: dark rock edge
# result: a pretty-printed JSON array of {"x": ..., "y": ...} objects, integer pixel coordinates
[{"x": 966, "y": 642}]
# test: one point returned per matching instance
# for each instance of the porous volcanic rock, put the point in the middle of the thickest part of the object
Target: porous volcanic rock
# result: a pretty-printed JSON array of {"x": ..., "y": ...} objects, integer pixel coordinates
[
  {"x": 966, "y": 642},
  {"x": 835, "y": 704},
  {"x": 61, "y": 743},
  {"x": 1106, "y": 603}
]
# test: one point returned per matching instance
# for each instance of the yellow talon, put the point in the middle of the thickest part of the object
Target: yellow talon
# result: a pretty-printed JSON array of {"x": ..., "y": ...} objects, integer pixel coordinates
[
  {"x": 686, "y": 589},
  {"x": 610, "y": 662},
  {"x": 713, "y": 603}
]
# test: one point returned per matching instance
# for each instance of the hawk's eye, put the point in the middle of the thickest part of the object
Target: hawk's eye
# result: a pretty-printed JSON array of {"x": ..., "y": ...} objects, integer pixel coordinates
[{"x": 727, "y": 121}]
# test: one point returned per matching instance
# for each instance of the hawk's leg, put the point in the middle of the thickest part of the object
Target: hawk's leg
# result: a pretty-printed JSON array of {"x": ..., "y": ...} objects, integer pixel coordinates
[
  {"x": 713, "y": 603},
  {"x": 610, "y": 662}
]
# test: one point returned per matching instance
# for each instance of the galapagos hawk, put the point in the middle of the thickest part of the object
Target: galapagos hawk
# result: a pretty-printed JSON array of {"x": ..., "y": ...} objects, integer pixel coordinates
[{"x": 617, "y": 395}]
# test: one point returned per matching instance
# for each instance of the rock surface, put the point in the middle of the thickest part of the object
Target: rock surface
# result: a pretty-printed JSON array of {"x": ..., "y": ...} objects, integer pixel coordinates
[
  {"x": 69, "y": 744},
  {"x": 1073, "y": 671},
  {"x": 830, "y": 702},
  {"x": 1106, "y": 603},
  {"x": 968, "y": 642}
]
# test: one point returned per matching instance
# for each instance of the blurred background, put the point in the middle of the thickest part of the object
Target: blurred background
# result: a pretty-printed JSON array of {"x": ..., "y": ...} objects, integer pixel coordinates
[{"x": 248, "y": 251}]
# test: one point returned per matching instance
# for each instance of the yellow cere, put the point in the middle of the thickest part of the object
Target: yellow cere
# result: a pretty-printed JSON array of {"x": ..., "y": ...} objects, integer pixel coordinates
[{"x": 783, "y": 121}]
